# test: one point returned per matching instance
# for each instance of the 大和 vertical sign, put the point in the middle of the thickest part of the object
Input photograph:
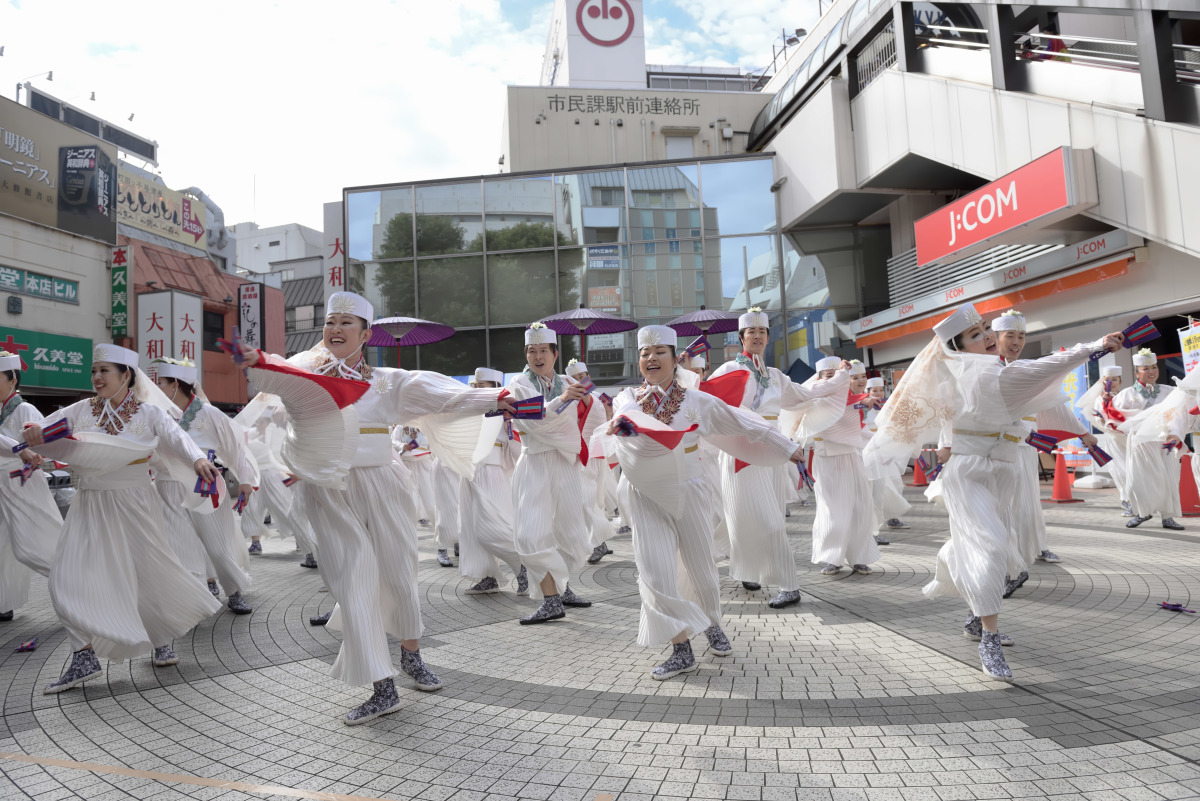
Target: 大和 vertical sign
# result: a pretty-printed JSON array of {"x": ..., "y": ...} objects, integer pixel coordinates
[
  {"x": 187, "y": 313},
  {"x": 250, "y": 314},
  {"x": 122, "y": 261},
  {"x": 155, "y": 332},
  {"x": 335, "y": 251}
]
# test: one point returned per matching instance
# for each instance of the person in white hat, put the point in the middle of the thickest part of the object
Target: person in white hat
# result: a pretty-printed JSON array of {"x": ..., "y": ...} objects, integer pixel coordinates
[
  {"x": 661, "y": 490},
  {"x": 365, "y": 538},
  {"x": 843, "y": 529},
  {"x": 1153, "y": 463},
  {"x": 30, "y": 519},
  {"x": 548, "y": 484},
  {"x": 886, "y": 493},
  {"x": 754, "y": 496},
  {"x": 960, "y": 382},
  {"x": 1028, "y": 519},
  {"x": 213, "y": 431},
  {"x": 591, "y": 415},
  {"x": 265, "y": 426},
  {"x": 1097, "y": 402},
  {"x": 416, "y": 456},
  {"x": 447, "y": 521},
  {"x": 488, "y": 533},
  {"x": 115, "y": 583}
]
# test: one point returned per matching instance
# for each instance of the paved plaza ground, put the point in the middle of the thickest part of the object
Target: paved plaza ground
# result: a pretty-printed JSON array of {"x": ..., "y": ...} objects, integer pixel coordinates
[{"x": 866, "y": 690}]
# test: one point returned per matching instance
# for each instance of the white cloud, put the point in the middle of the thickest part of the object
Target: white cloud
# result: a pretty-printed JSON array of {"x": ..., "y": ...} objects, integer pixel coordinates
[{"x": 744, "y": 30}]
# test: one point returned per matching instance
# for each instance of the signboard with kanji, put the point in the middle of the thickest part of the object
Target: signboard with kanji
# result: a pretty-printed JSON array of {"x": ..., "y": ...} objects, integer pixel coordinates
[
  {"x": 152, "y": 207},
  {"x": 169, "y": 325},
  {"x": 55, "y": 175},
  {"x": 1189, "y": 343},
  {"x": 187, "y": 312},
  {"x": 122, "y": 264},
  {"x": 25, "y": 282},
  {"x": 53, "y": 361},
  {"x": 250, "y": 314},
  {"x": 335, "y": 251}
]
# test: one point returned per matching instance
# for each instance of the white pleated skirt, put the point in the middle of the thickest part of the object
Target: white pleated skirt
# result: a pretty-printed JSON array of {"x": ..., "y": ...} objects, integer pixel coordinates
[
  {"x": 844, "y": 526},
  {"x": 549, "y": 506},
  {"x": 180, "y": 533},
  {"x": 759, "y": 548},
  {"x": 888, "y": 496},
  {"x": 115, "y": 581},
  {"x": 30, "y": 525},
  {"x": 487, "y": 526},
  {"x": 1028, "y": 523},
  {"x": 367, "y": 547},
  {"x": 1154, "y": 480}
]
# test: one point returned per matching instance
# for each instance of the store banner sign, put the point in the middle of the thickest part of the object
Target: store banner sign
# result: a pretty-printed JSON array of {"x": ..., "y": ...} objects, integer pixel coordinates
[
  {"x": 605, "y": 341},
  {"x": 604, "y": 257},
  {"x": 605, "y": 299},
  {"x": 1073, "y": 386},
  {"x": 1044, "y": 191},
  {"x": 169, "y": 325},
  {"x": 52, "y": 361},
  {"x": 122, "y": 263},
  {"x": 1189, "y": 345},
  {"x": 250, "y": 314},
  {"x": 55, "y": 175},
  {"x": 152, "y": 207},
  {"x": 25, "y": 282}
]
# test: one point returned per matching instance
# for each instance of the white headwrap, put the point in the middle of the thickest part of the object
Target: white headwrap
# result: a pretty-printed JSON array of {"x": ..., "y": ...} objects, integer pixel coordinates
[
  {"x": 350, "y": 303},
  {"x": 539, "y": 334},
  {"x": 1144, "y": 358},
  {"x": 828, "y": 363},
  {"x": 9, "y": 361},
  {"x": 857, "y": 367},
  {"x": 963, "y": 318},
  {"x": 651, "y": 335},
  {"x": 875, "y": 383},
  {"x": 1011, "y": 320},
  {"x": 754, "y": 318},
  {"x": 488, "y": 374},
  {"x": 575, "y": 367},
  {"x": 1110, "y": 371}
]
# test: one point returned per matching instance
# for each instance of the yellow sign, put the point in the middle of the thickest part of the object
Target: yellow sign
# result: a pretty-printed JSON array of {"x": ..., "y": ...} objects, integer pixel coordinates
[{"x": 152, "y": 207}]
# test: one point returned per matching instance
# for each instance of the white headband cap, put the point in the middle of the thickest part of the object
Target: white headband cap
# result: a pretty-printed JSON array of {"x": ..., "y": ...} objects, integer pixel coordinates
[
  {"x": 857, "y": 367},
  {"x": 875, "y": 383},
  {"x": 1144, "y": 358},
  {"x": 350, "y": 303},
  {"x": 539, "y": 334},
  {"x": 1011, "y": 320},
  {"x": 180, "y": 371},
  {"x": 1111, "y": 371},
  {"x": 114, "y": 354},
  {"x": 651, "y": 335},
  {"x": 575, "y": 367},
  {"x": 488, "y": 374},
  {"x": 963, "y": 318},
  {"x": 829, "y": 363},
  {"x": 9, "y": 361},
  {"x": 699, "y": 361},
  {"x": 754, "y": 318}
]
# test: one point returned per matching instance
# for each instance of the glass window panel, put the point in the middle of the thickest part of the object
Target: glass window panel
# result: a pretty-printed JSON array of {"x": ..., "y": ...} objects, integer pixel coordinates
[
  {"x": 741, "y": 272},
  {"x": 449, "y": 219},
  {"x": 680, "y": 83},
  {"x": 659, "y": 193},
  {"x": 856, "y": 15},
  {"x": 737, "y": 197},
  {"x": 390, "y": 289},
  {"x": 591, "y": 207},
  {"x": 363, "y": 209},
  {"x": 451, "y": 290},
  {"x": 521, "y": 287},
  {"x": 457, "y": 356},
  {"x": 519, "y": 213}
]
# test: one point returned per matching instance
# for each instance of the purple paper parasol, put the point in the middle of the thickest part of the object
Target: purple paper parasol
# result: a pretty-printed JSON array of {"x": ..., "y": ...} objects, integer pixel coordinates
[
  {"x": 579, "y": 321},
  {"x": 407, "y": 331},
  {"x": 703, "y": 322}
]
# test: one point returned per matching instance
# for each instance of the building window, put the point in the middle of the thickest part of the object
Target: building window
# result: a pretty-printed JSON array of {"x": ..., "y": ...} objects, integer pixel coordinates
[
  {"x": 287, "y": 275},
  {"x": 214, "y": 329},
  {"x": 273, "y": 244}
]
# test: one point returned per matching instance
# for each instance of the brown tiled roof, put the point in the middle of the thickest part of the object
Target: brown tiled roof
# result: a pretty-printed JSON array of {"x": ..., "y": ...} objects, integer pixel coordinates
[{"x": 171, "y": 269}]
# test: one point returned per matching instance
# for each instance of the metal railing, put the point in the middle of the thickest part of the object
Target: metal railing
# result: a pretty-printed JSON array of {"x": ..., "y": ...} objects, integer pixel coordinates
[
  {"x": 875, "y": 57},
  {"x": 907, "y": 281},
  {"x": 1088, "y": 50}
]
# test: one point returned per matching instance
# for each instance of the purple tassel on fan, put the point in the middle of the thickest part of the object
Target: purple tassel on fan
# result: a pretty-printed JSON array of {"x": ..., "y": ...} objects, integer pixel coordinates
[{"x": 50, "y": 433}]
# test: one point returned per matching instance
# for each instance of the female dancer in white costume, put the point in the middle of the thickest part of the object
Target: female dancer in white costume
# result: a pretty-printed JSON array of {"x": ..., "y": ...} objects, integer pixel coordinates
[
  {"x": 662, "y": 491},
  {"x": 487, "y": 510},
  {"x": 1153, "y": 471},
  {"x": 959, "y": 382},
  {"x": 886, "y": 493},
  {"x": 211, "y": 430},
  {"x": 365, "y": 538},
  {"x": 591, "y": 415},
  {"x": 754, "y": 496},
  {"x": 115, "y": 583},
  {"x": 844, "y": 526},
  {"x": 29, "y": 519},
  {"x": 265, "y": 428},
  {"x": 419, "y": 461},
  {"x": 548, "y": 487},
  {"x": 1097, "y": 404}
]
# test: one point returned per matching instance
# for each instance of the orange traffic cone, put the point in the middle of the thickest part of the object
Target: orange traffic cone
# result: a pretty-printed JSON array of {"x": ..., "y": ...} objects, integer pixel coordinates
[
  {"x": 1189, "y": 498},
  {"x": 919, "y": 477},
  {"x": 1062, "y": 483}
]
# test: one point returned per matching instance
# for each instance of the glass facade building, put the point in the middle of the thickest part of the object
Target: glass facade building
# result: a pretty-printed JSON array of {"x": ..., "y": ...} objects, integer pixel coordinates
[{"x": 647, "y": 242}]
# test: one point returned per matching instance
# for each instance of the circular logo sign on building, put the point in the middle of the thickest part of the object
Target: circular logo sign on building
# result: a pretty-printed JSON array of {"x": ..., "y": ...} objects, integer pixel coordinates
[{"x": 605, "y": 22}]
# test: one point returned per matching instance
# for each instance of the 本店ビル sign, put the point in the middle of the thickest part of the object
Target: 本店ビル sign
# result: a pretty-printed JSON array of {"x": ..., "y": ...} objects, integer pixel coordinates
[{"x": 1044, "y": 191}]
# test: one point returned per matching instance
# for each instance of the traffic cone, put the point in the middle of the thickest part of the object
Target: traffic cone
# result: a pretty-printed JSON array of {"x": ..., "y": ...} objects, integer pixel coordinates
[
  {"x": 919, "y": 477},
  {"x": 1189, "y": 498},
  {"x": 1062, "y": 483}
]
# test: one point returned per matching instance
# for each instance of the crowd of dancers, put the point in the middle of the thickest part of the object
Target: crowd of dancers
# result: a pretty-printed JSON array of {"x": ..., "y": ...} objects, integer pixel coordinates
[{"x": 350, "y": 459}]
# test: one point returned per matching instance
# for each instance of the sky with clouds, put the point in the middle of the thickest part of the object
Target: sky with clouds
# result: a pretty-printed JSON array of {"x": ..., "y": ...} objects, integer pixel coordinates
[{"x": 273, "y": 107}]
